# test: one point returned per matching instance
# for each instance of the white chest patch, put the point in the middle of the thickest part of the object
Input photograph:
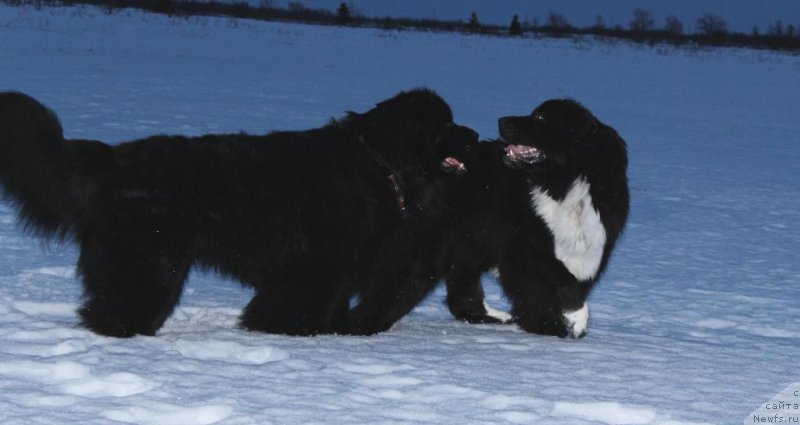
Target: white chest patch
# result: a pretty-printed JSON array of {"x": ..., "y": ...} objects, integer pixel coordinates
[{"x": 578, "y": 233}]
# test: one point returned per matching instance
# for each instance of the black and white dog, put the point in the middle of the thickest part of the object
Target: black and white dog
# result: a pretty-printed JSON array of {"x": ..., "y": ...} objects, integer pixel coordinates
[
  {"x": 545, "y": 206},
  {"x": 575, "y": 167}
]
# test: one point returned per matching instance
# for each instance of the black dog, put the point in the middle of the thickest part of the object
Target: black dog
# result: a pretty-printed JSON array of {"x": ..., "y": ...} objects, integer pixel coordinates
[
  {"x": 546, "y": 208},
  {"x": 485, "y": 207},
  {"x": 295, "y": 215}
]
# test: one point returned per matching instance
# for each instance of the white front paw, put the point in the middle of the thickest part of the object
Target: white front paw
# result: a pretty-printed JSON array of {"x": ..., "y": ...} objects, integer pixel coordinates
[
  {"x": 502, "y": 316},
  {"x": 577, "y": 321}
]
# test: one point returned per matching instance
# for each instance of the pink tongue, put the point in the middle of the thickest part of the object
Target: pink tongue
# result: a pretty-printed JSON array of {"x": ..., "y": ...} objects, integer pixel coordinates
[
  {"x": 513, "y": 150},
  {"x": 451, "y": 162}
]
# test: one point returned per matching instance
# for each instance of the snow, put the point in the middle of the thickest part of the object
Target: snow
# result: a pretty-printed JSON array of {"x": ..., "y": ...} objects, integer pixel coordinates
[
  {"x": 697, "y": 319},
  {"x": 605, "y": 412}
]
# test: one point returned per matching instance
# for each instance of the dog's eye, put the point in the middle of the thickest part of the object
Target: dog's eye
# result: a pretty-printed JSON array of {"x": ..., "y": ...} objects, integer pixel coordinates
[{"x": 538, "y": 117}]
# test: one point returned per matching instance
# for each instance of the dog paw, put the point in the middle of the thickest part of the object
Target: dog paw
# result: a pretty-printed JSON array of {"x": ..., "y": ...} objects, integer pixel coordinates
[
  {"x": 577, "y": 321},
  {"x": 483, "y": 314},
  {"x": 500, "y": 316},
  {"x": 563, "y": 324}
]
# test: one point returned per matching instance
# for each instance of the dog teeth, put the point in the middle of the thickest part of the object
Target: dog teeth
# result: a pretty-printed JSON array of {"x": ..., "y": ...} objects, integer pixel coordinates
[
  {"x": 524, "y": 151},
  {"x": 527, "y": 150}
]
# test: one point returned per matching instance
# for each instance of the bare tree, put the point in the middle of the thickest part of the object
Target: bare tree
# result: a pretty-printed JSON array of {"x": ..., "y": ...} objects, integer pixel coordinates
[
  {"x": 673, "y": 26},
  {"x": 296, "y": 7},
  {"x": 515, "y": 28},
  {"x": 710, "y": 24},
  {"x": 776, "y": 29},
  {"x": 474, "y": 23},
  {"x": 599, "y": 23},
  {"x": 557, "y": 21},
  {"x": 343, "y": 14},
  {"x": 642, "y": 21}
]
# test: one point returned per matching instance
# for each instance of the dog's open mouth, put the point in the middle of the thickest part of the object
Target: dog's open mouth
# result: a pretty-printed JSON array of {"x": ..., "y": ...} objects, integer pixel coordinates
[
  {"x": 452, "y": 165},
  {"x": 524, "y": 154}
]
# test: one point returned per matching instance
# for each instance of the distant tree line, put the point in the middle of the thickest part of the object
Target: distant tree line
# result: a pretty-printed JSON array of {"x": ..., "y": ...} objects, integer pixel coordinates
[{"x": 710, "y": 29}]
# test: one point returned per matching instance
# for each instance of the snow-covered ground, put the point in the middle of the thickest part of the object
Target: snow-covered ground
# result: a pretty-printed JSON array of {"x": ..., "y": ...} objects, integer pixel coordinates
[{"x": 696, "y": 321}]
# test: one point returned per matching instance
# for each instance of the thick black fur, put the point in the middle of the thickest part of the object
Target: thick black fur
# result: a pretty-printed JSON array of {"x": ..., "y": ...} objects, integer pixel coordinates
[
  {"x": 492, "y": 223},
  {"x": 485, "y": 207},
  {"x": 295, "y": 215}
]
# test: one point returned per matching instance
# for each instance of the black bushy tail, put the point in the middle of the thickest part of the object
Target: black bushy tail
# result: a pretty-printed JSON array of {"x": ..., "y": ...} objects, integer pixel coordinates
[{"x": 53, "y": 182}]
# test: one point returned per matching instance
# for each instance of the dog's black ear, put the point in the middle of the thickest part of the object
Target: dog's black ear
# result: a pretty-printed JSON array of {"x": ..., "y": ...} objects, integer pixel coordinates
[
  {"x": 359, "y": 124},
  {"x": 586, "y": 125},
  {"x": 576, "y": 119},
  {"x": 568, "y": 116}
]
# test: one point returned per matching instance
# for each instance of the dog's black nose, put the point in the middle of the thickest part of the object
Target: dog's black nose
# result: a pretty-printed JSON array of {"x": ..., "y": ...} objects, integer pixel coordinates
[
  {"x": 508, "y": 129},
  {"x": 503, "y": 122},
  {"x": 473, "y": 135},
  {"x": 466, "y": 133}
]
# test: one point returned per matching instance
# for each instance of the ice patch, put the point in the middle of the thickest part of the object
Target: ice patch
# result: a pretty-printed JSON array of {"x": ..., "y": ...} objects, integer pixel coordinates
[
  {"x": 391, "y": 381},
  {"x": 48, "y": 334},
  {"x": 114, "y": 385},
  {"x": 388, "y": 394},
  {"x": 715, "y": 324},
  {"x": 375, "y": 369},
  {"x": 42, "y": 371},
  {"x": 481, "y": 339},
  {"x": 229, "y": 351},
  {"x": 513, "y": 347},
  {"x": 65, "y": 347},
  {"x": 59, "y": 401},
  {"x": 769, "y": 332},
  {"x": 52, "y": 309},
  {"x": 516, "y": 417},
  {"x": 606, "y": 412},
  {"x": 76, "y": 379},
  {"x": 505, "y": 402},
  {"x": 65, "y": 272},
  {"x": 412, "y": 413},
  {"x": 69, "y": 346},
  {"x": 170, "y": 414}
]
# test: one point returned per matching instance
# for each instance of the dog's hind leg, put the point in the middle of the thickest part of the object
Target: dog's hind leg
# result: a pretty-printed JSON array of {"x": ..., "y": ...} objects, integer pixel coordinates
[
  {"x": 465, "y": 297},
  {"x": 380, "y": 306},
  {"x": 131, "y": 285},
  {"x": 307, "y": 300}
]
